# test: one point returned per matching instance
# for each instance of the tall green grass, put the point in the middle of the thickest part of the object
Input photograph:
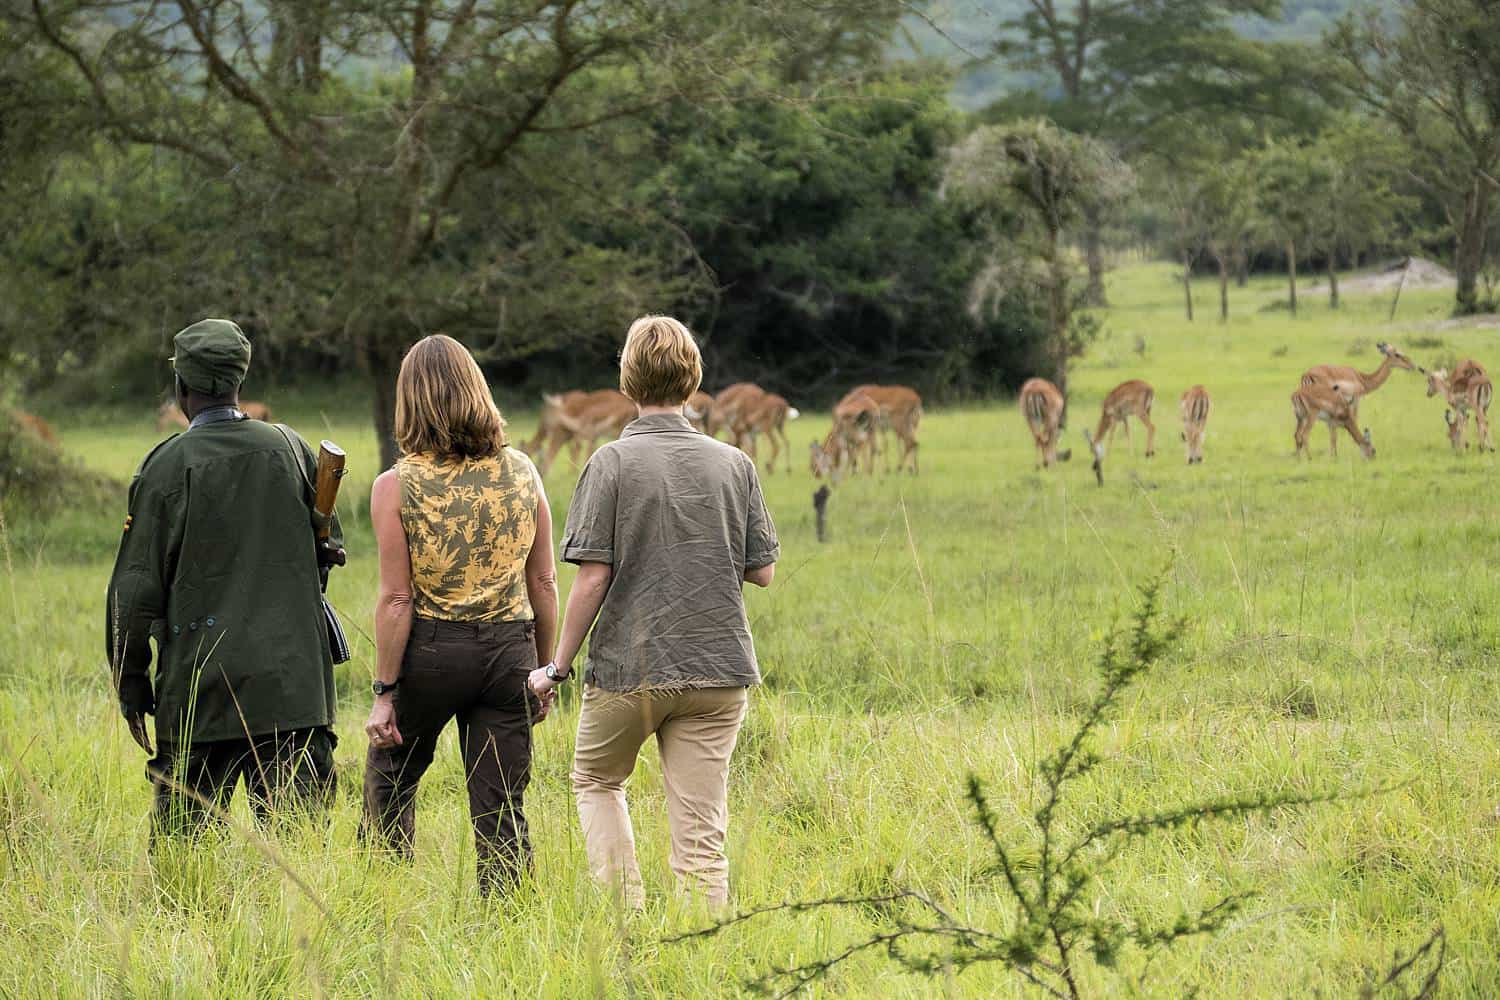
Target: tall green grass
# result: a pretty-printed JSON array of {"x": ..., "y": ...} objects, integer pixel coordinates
[{"x": 1343, "y": 629}]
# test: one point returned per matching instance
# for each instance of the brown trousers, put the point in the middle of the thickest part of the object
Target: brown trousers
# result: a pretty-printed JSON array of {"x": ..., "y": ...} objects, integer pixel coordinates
[
  {"x": 475, "y": 672},
  {"x": 696, "y": 731}
]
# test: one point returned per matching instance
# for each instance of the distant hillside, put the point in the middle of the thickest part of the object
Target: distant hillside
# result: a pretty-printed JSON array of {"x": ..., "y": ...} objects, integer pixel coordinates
[{"x": 971, "y": 25}]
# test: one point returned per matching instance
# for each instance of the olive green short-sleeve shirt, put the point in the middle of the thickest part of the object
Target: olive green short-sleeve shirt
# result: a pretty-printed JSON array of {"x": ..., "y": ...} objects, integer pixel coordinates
[{"x": 679, "y": 517}]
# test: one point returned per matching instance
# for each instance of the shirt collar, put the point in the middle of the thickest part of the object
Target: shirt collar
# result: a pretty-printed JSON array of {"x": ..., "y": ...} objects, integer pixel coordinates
[
  {"x": 658, "y": 423},
  {"x": 216, "y": 415}
]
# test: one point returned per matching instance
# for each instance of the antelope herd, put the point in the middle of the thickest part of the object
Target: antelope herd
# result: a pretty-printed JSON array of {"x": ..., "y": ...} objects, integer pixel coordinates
[
  {"x": 1327, "y": 393},
  {"x": 869, "y": 416}
]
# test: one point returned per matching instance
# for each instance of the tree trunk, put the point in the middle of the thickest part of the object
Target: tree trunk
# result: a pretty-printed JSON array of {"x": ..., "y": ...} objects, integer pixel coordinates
[
  {"x": 384, "y": 366},
  {"x": 1333, "y": 282},
  {"x": 1469, "y": 258},
  {"x": 1241, "y": 266},
  {"x": 1223, "y": 289},
  {"x": 1187, "y": 282},
  {"x": 1291, "y": 272},
  {"x": 1094, "y": 252}
]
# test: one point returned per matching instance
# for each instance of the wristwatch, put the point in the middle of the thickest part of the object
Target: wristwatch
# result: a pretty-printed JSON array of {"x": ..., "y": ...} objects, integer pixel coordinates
[
  {"x": 552, "y": 675},
  {"x": 381, "y": 687}
]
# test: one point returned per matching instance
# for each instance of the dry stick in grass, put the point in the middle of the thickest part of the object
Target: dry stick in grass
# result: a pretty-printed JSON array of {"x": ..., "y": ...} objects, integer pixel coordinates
[{"x": 1056, "y": 921}]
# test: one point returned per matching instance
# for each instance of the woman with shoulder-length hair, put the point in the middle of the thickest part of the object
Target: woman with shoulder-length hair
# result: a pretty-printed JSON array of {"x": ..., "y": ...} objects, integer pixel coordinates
[
  {"x": 467, "y": 608},
  {"x": 666, "y": 525}
]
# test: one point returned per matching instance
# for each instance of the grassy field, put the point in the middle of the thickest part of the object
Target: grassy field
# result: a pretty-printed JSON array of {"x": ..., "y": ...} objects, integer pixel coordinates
[{"x": 1343, "y": 633}]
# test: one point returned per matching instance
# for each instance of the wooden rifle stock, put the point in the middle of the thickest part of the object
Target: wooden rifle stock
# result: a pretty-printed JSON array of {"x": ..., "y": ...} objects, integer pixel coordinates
[{"x": 326, "y": 487}]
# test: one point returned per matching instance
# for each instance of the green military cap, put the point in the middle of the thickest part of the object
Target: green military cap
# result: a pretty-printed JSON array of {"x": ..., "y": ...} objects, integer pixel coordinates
[{"x": 211, "y": 356}]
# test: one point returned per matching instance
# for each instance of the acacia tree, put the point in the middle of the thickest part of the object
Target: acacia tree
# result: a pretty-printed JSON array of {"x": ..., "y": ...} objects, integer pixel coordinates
[
  {"x": 1436, "y": 76},
  {"x": 1034, "y": 183},
  {"x": 1118, "y": 70},
  {"x": 373, "y": 147}
]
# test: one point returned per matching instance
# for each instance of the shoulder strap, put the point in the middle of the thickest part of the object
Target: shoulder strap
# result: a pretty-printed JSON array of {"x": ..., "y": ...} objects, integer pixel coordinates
[{"x": 299, "y": 460}]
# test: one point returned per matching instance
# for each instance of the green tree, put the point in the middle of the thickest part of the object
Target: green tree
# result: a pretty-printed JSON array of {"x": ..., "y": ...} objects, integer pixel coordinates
[
  {"x": 1434, "y": 73},
  {"x": 1359, "y": 206},
  {"x": 1034, "y": 182},
  {"x": 383, "y": 156},
  {"x": 1123, "y": 70},
  {"x": 833, "y": 257},
  {"x": 1290, "y": 181}
]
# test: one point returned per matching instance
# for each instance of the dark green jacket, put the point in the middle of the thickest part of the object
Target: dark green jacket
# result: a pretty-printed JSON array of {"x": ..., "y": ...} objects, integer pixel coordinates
[{"x": 218, "y": 565}]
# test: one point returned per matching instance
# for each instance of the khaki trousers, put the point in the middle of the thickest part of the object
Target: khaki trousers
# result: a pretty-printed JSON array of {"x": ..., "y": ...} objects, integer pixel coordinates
[{"x": 695, "y": 732}]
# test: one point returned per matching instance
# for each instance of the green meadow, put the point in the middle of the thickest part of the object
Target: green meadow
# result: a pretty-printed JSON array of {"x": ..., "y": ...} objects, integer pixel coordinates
[{"x": 1343, "y": 633}]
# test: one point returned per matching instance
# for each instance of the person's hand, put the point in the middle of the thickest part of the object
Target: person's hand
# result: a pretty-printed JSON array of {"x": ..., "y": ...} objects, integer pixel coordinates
[
  {"x": 381, "y": 725},
  {"x": 544, "y": 708},
  {"x": 136, "y": 721},
  {"x": 540, "y": 684},
  {"x": 330, "y": 554}
]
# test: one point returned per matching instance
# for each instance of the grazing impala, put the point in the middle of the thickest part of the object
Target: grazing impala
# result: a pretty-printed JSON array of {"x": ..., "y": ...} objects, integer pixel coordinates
[
  {"x": 700, "y": 406},
  {"x": 728, "y": 406},
  {"x": 1042, "y": 407},
  {"x": 900, "y": 409},
  {"x": 1194, "y": 418},
  {"x": 1470, "y": 396},
  {"x": 856, "y": 421},
  {"x": 552, "y": 433},
  {"x": 766, "y": 415},
  {"x": 602, "y": 417},
  {"x": 255, "y": 411},
  {"x": 1126, "y": 400},
  {"x": 1354, "y": 385},
  {"x": 1320, "y": 401}
]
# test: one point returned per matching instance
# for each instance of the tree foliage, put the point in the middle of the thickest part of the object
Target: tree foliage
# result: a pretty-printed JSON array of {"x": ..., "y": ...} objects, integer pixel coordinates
[
  {"x": 1434, "y": 73},
  {"x": 1033, "y": 183}
]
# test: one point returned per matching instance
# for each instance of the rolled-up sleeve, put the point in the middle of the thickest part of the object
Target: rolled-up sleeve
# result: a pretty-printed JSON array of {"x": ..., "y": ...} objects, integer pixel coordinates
[
  {"x": 762, "y": 548},
  {"x": 589, "y": 533}
]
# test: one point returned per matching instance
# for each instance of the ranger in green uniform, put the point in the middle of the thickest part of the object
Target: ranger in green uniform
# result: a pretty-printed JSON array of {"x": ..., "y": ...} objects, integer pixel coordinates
[{"x": 220, "y": 565}]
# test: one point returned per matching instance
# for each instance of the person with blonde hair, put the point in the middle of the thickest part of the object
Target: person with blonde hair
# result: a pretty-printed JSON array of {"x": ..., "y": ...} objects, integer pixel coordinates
[
  {"x": 666, "y": 525},
  {"x": 467, "y": 608}
]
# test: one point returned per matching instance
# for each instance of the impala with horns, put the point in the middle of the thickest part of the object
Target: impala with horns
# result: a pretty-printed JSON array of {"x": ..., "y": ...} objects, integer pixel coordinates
[
  {"x": 1470, "y": 394},
  {"x": 1353, "y": 384},
  {"x": 1194, "y": 406},
  {"x": 1042, "y": 408},
  {"x": 1320, "y": 401},
  {"x": 1128, "y": 399},
  {"x": 766, "y": 415},
  {"x": 856, "y": 421}
]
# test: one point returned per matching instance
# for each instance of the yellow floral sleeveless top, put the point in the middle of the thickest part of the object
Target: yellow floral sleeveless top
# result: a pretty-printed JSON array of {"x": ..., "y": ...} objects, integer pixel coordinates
[{"x": 469, "y": 527}]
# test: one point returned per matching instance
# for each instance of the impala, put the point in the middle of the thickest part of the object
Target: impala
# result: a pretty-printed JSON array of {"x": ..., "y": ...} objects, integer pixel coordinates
[
  {"x": 856, "y": 421},
  {"x": 766, "y": 415},
  {"x": 1194, "y": 406},
  {"x": 900, "y": 412},
  {"x": 603, "y": 417},
  {"x": 1320, "y": 401},
  {"x": 552, "y": 433},
  {"x": 1042, "y": 408},
  {"x": 1471, "y": 395},
  {"x": 1126, "y": 400},
  {"x": 728, "y": 405},
  {"x": 1353, "y": 385},
  {"x": 699, "y": 408}
]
